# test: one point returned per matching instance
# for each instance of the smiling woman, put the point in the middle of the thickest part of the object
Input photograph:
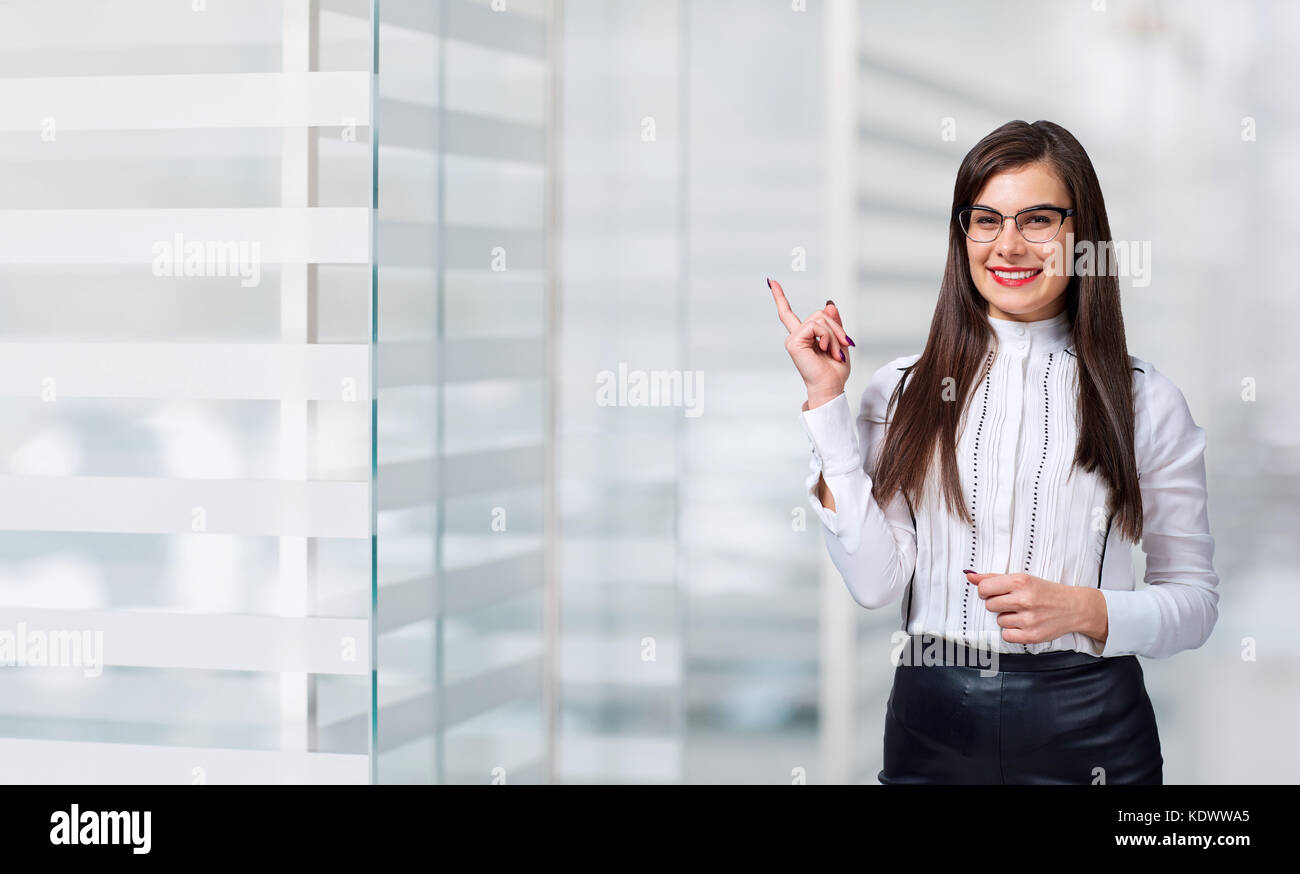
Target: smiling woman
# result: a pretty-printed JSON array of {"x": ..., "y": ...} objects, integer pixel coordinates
[{"x": 1056, "y": 451}]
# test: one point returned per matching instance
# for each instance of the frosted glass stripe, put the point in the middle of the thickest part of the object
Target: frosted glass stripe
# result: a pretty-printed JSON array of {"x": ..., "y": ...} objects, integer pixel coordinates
[
  {"x": 486, "y": 691},
  {"x": 406, "y": 603},
  {"x": 406, "y": 244},
  {"x": 472, "y": 248},
  {"x": 409, "y": 126},
  {"x": 405, "y": 362},
  {"x": 491, "y": 583},
  {"x": 402, "y": 484},
  {"x": 48, "y": 761},
  {"x": 467, "y": 21},
  {"x": 476, "y": 472},
  {"x": 416, "y": 244},
  {"x": 480, "y": 358},
  {"x": 411, "y": 719},
  {"x": 474, "y": 22},
  {"x": 206, "y": 100},
  {"x": 164, "y": 238},
  {"x": 147, "y": 505},
  {"x": 157, "y": 639},
  {"x": 483, "y": 137},
  {"x": 464, "y": 589},
  {"x": 472, "y": 359},
  {"x": 241, "y": 371},
  {"x": 464, "y": 768},
  {"x": 411, "y": 483}
]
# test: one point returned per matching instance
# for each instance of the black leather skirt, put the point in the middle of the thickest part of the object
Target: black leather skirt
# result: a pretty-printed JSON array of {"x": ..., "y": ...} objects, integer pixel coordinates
[{"x": 1058, "y": 717}]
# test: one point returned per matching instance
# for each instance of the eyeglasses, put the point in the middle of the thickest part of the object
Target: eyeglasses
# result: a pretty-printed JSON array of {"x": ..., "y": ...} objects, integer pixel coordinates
[{"x": 1038, "y": 224}]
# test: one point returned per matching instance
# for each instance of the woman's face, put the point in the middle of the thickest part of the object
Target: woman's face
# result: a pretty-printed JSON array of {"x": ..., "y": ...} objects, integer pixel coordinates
[{"x": 1042, "y": 296}]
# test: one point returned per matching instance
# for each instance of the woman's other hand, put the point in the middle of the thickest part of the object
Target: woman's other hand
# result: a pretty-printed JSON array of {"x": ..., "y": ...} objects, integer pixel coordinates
[{"x": 1034, "y": 610}]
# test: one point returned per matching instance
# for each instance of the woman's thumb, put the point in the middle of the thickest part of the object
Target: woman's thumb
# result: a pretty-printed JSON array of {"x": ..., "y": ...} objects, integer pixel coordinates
[{"x": 834, "y": 312}]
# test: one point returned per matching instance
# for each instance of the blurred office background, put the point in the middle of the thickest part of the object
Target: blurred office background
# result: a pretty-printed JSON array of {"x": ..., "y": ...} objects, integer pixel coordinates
[{"x": 390, "y": 515}]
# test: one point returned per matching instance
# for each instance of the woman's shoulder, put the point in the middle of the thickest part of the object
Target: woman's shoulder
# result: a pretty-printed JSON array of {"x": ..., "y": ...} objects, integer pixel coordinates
[
  {"x": 883, "y": 381},
  {"x": 1162, "y": 417},
  {"x": 1152, "y": 387},
  {"x": 888, "y": 374},
  {"x": 892, "y": 371}
]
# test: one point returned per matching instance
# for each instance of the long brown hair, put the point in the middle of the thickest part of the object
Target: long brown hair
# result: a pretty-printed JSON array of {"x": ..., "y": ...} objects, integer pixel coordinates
[{"x": 960, "y": 333}]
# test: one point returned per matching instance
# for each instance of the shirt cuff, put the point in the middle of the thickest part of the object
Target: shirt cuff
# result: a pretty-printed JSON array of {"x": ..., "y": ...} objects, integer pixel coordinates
[
  {"x": 830, "y": 428},
  {"x": 1133, "y": 622}
]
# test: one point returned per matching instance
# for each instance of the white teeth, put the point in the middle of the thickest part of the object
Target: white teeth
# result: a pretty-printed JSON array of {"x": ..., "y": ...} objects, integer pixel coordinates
[{"x": 1019, "y": 274}]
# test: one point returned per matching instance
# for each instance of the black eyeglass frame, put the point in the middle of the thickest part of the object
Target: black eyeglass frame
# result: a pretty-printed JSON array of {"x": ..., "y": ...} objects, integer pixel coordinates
[{"x": 1064, "y": 212}]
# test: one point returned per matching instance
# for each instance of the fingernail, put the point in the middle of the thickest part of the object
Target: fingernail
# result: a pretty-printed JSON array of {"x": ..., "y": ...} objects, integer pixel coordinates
[
  {"x": 968, "y": 572},
  {"x": 850, "y": 339},
  {"x": 841, "y": 354},
  {"x": 830, "y": 303},
  {"x": 769, "y": 283}
]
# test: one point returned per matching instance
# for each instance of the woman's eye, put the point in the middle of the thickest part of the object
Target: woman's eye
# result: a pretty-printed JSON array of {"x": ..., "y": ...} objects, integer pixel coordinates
[{"x": 985, "y": 220}]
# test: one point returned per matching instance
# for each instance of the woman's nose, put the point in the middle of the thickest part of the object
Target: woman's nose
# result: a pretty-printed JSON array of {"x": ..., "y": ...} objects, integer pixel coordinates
[{"x": 1009, "y": 239}]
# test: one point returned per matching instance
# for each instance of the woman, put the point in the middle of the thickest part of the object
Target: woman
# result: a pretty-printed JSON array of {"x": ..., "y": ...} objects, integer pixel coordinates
[{"x": 996, "y": 481}]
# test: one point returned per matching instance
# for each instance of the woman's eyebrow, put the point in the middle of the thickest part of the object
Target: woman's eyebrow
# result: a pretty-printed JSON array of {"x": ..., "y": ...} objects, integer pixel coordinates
[{"x": 1022, "y": 209}]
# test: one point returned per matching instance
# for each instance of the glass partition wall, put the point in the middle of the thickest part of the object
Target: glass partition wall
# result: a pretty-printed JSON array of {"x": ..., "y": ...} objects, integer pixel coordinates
[{"x": 276, "y": 455}]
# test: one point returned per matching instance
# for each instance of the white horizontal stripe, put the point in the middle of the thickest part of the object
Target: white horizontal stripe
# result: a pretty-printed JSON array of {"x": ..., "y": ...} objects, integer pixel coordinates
[
  {"x": 317, "y": 235},
  {"x": 238, "y": 371},
  {"x": 156, "y": 639},
  {"x": 49, "y": 761},
  {"x": 206, "y": 100},
  {"x": 145, "y": 505}
]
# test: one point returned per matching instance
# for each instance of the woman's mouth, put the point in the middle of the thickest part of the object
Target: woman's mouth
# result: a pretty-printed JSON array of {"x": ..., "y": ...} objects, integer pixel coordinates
[{"x": 1013, "y": 277}]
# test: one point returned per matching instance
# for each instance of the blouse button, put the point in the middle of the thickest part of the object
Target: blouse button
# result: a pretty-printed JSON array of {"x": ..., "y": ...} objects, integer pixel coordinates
[
  {"x": 1022, "y": 346},
  {"x": 1020, "y": 332}
]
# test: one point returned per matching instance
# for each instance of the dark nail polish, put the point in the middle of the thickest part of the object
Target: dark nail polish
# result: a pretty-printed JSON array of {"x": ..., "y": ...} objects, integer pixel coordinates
[
  {"x": 830, "y": 303},
  {"x": 850, "y": 339},
  {"x": 841, "y": 354},
  {"x": 769, "y": 283},
  {"x": 968, "y": 572}
]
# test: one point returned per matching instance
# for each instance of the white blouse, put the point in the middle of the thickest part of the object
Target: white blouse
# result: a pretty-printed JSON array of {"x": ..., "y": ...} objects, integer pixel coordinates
[{"x": 1033, "y": 514}]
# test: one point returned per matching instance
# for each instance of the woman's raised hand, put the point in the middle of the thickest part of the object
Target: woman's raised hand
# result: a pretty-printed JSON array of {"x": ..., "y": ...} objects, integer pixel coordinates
[{"x": 818, "y": 346}]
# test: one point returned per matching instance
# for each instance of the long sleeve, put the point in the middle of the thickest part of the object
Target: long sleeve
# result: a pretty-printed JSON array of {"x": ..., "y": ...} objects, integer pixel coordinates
[
  {"x": 873, "y": 548},
  {"x": 1179, "y": 608}
]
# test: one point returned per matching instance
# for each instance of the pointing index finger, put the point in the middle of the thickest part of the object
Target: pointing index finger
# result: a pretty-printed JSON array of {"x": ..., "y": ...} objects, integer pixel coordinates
[{"x": 788, "y": 318}]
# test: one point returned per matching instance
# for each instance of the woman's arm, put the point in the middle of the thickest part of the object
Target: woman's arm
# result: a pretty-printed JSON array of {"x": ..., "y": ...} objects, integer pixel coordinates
[
  {"x": 1179, "y": 607},
  {"x": 873, "y": 547}
]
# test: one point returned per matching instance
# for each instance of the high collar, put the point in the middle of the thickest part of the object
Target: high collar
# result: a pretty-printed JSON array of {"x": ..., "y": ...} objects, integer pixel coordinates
[{"x": 1032, "y": 338}]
